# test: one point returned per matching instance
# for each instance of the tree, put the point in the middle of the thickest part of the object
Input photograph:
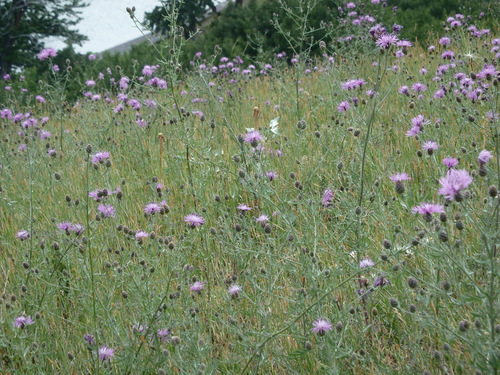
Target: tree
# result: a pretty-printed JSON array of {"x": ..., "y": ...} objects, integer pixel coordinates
[
  {"x": 190, "y": 14},
  {"x": 25, "y": 23}
]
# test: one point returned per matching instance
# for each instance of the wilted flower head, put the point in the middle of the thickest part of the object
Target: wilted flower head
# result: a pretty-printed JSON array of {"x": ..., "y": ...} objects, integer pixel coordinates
[
  {"x": 484, "y": 157},
  {"x": 89, "y": 338},
  {"x": 105, "y": 352},
  {"x": 453, "y": 183},
  {"x": 322, "y": 326},
  {"x": 234, "y": 290},
  {"x": 106, "y": 210},
  {"x": 327, "y": 198},
  {"x": 23, "y": 321},
  {"x": 194, "y": 220},
  {"x": 23, "y": 235}
]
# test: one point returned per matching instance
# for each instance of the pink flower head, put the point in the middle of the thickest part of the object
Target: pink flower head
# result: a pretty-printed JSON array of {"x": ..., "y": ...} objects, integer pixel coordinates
[
  {"x": 194, "y": 220},
  {"x": 243, "y": 207},
  {"x": 253, "y": 137},
  {"x": 100, "y": 157},
  {"x": 399, "y": 177},
  {"x": 385, "y": 41},
  {"x": 140, "y": 235},
  {"x": 321, "y": 326},
  {"x": 484, "y": 157},
  {"x": 197, "y": 287},
  {"x": 152, "y": 208},
  {"x": 46, "y": 53},
  {"x": 234, "y": 290},
  {"x": 23, "y": 235},
  {"x": 262, "y": 219},
  {"x": 105, "y": 352},
  {"x": 366, "y": 262},
  {"x": 453, "y": 183},
  {"x": 428, "y": 209},
  {"x": 106, "y": 210},
  {"x": 23, "y": 321},
  {"x": 327, "y": 198},
  {"x": 450, "y": 162}
]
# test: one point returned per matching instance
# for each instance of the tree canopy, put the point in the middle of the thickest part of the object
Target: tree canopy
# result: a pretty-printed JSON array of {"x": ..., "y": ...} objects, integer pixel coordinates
[{"x": 24, "y": 24}]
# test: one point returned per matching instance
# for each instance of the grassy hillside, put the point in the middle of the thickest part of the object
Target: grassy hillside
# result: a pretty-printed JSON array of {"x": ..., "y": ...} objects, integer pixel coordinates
[{"x": 337, "y": 215}]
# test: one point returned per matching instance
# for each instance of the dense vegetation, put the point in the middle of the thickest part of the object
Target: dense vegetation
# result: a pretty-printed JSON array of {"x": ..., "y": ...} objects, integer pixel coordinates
[{"x": 302, "y": 214}]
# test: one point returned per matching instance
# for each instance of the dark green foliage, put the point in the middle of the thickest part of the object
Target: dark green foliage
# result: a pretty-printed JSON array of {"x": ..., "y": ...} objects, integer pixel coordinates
[
  {"x": 24, "y": 24},
  {"x": 190, "y": 13}
]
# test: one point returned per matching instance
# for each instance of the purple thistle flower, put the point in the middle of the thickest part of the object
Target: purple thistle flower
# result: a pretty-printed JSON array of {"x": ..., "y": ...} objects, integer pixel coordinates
[
  {"x": 453, "y": 183},
  {"x": 105, "y": 352},
  {"x": 484, "y": 157},
  {"x": 194, "y": 220},
  {"x": 448, "y": 55},
  {"x": 327, "y": 198},
  {"x": 234, "y": 290},
  {"x": 427, "y": 209},
  {"x": 107, "y": 210},
  {"x": 385, "y": 41},
  {"x": 430, "y": 146},
  {"x": 197, "y": 287},
  {"x": 366, "y": 262},
  {"x": 89, "y": 338},
  {"x": 243, "y": 207},
  {"x": 262, "y": 219},
  {"x": 100, "y": 157},
  {"x": 419, "y": 87},
  {"x": 271, "y": 175},
  {"x": 381, "y": 281},
  {"x": 399, "y": 177},
  {"x": 450, "y": 162},
  {"x": 44, "y": 134},
  {"x": 322, "y": 326},
  {"x": 343, "y": 106},
  {"x": 23, "y": 321},
  {"x": 163, "y": 335},
  {"x": 46, "y": 53},
  {"x": 152, "y": 208},
  {"x": 65, "y": 226},
  {"x": 23, "y": 235},
  {"x": 253, "y": 137},
  {"x": 141, "y": 234}
]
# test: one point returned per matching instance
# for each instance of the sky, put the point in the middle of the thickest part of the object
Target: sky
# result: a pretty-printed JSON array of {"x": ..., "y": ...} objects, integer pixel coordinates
[{"x": 107, "y": 24}]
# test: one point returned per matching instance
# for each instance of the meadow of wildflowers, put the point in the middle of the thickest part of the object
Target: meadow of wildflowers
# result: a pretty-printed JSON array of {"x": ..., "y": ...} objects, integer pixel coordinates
[{"x": 310, "y": 215}]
